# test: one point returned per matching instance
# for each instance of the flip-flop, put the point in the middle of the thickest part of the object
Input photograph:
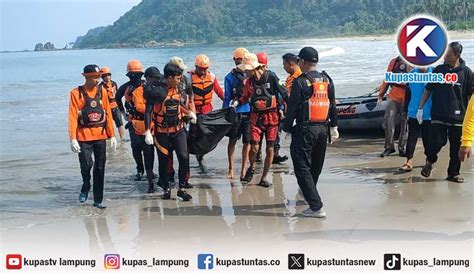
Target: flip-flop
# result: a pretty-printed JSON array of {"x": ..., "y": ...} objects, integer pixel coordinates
[
  {"x": 456, "y": 178},
  {"x": 407, "y": 167}
]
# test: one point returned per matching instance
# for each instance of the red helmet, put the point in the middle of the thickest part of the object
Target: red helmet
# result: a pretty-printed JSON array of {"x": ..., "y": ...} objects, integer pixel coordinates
[{"x": 262, "y": 58}]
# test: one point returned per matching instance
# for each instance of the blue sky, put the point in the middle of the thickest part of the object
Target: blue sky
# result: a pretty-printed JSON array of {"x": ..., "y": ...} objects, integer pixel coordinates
[{"x": 27, "y": 22}]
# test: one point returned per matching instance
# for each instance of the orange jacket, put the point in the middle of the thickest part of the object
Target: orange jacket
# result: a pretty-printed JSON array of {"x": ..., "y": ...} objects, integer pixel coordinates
[
  {"x": 397, "y": 91},
  {"x": 111, "y": 88},
  {"x": 291, "y": 78},
  {"x": 138, "y": 100},
  {"x": 203, "y": 90},
  {"x": 76, "y": 103}
]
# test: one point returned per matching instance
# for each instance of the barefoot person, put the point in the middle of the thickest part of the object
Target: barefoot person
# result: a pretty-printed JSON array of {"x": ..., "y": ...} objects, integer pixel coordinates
[
  {"x": 90, "y": 124},
  {"x": 262, "y": 89},
  {"x": 233, "y": 86}
]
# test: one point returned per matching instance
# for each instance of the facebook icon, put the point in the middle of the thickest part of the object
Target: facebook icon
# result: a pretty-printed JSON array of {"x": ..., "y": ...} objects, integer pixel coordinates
[{"x": 205, "y": 261}]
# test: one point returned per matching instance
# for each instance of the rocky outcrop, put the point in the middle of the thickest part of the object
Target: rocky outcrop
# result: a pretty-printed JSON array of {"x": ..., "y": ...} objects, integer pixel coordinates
[{"x": 46, "y": 47}]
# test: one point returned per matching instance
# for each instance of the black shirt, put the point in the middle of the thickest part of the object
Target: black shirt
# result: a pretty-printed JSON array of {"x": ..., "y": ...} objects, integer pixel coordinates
[
  {"x": 301, "y": 91},
  {"x": 450, "y": 100}
]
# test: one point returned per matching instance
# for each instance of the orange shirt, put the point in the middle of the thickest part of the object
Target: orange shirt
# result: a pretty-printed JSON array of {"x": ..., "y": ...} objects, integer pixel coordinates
[
  {"x": 111, "y": 91},
  {"x": 291, "y": 78},
  {"x": 397, "y": 92},
  {"x": 76, "y": 103}
]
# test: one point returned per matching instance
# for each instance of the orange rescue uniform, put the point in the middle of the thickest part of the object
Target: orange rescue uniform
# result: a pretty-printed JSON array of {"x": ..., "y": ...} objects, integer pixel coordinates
[{"x": 76, "y": 103}]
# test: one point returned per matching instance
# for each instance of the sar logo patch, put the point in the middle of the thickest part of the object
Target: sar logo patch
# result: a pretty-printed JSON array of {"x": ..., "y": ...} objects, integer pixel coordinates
[
  {"x": 93, "y": 103},
  {"x": 258, "y": 91}
]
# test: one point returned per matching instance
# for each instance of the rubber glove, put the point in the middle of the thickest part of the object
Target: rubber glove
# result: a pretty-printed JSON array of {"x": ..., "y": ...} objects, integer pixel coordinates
[
  {"x": 334, "y": 133},
  {"x": 75, "y": 147},
  {"x": 113, "y": 144},
  {"x": 419, "y": 116},
  {"x": 193, "y": 117},
  {"x": 148, "y": 137},
  {"x": 125, "y": 116},
  {"x": 379, "y": 101},
  {"x": 234, "y": 103}
]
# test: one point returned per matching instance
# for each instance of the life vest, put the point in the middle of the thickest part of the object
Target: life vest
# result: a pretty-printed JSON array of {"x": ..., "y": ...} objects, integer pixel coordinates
[
  {"x": 202, "y": 88},
  {"x": 238, "y": 90},
  {"x": 316, "y": 107},
  {"x": 264, "y": 98},
  {"x": 399, "y": 67},
  {"x": 132, "y": 94},
  {"x": 111, "y": 92},
  {"x": 93, "y": 113},
  {"x": 168, "y": 115}
]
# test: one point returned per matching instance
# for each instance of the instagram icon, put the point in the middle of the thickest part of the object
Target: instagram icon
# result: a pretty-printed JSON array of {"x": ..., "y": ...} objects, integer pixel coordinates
[{"x": 111, "y": 261}]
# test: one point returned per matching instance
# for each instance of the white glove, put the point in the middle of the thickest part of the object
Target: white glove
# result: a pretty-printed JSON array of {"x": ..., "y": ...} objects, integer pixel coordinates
[
  {"x": 148, "y": 137},
  {"x": 379, "y": 101},
  {"x": 193, "y": 117},
  {"x": 234, "y": 103},
  {"x": 334, "y": 133},
  {"x": 75, "y": 147},
  {"x": 125, "y": 116},
  {"x": 419, "y": 116},
  {"x": 113, "y": 144}
]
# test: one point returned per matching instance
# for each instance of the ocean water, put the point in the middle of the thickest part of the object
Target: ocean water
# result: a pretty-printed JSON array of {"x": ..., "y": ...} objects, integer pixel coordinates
[{"x": 38, "y": 170}]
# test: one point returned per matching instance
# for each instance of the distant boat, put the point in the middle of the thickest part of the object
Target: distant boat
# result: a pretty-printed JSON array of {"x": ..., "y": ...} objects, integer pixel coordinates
[{"x": 360, "y": 113}]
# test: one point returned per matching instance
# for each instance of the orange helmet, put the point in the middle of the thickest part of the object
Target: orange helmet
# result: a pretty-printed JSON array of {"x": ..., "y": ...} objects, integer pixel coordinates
[
  {"x": 240, "y": 52},
  {"x": 134, "y": 66},
  {"x": 105, "y": 70},
  {"x": 202, "y": 61}
]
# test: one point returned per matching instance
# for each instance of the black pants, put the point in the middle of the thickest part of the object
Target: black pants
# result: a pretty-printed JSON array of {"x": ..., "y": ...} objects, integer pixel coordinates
[
  {"x": 414, "y": 129},
  {"x": 166, "y": 144},
  {"x": 136, "y": 149},
  {"x": 149, "y": 156},
  {"x": 98, "y": 148},
  {"x": 308, "y": 150},
  {"x": 440, "y": 133},
  {"x": 277, "y": 141}
]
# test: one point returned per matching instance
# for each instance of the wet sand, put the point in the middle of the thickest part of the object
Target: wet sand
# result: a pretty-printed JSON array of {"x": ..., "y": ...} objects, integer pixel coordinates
[{"x": 372, "y": 209}]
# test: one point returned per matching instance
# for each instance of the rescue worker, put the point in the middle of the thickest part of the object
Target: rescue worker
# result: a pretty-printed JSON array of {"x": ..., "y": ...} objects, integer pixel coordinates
[
  {"x": 467, "y": 132},
  {"x": 394, "y": 109},
  {"x": 449, "y": 103},
  {"x": 312, "y": 104},
  {"x": 111, "y": 87},
  {"x": 168, "y": 112},
  {"x": 290, "y": 65},
  {"x": 205, "y": 84},
  {"x": 135, "y": 74},
  {"x": 233, "y": 89},
  {"x": 90, "y": 124},
  {"x": 262, "y": 89}
]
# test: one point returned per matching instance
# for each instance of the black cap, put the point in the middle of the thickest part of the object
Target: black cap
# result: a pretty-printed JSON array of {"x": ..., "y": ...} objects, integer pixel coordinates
[
  {"x": 91, "y": 69},
  {"x": 152, "y": 72},
  {"x": 172, "y": 70},
  {"x": 309, "y": 54}
]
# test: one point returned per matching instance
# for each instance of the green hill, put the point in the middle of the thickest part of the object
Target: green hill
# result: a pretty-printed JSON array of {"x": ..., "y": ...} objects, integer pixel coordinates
[{"x": 153, "y": 22}]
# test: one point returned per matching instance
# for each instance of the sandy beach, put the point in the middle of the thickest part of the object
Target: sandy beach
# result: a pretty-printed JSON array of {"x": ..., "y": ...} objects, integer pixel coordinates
[{"x": 372, "y": 209}]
